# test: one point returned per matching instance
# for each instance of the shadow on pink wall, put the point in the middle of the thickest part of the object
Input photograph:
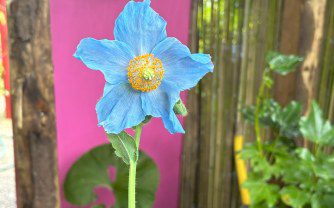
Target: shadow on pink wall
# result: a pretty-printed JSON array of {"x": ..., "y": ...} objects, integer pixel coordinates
[{"x": 78, "y": 89}]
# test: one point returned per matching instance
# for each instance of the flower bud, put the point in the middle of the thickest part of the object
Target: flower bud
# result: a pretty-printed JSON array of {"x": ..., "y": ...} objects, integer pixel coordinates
[{"x": 180, "y": 108}]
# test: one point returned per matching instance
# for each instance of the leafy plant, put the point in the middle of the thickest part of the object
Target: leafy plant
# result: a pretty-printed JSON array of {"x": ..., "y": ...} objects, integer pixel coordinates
[{"x": 282, "y": 174}]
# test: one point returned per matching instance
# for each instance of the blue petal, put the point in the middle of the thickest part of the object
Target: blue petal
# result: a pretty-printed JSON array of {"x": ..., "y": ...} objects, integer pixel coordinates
[
  {"x": 170, "y": 50},
  {"x": 119, "y": 108},
  {"x": 160, "y": 103},
  {"x": 140, "y": 27},
  {"x": 107, "y": 88},
  {"x": 182, "y": 68},
  {"x": 110, "y": 57}
]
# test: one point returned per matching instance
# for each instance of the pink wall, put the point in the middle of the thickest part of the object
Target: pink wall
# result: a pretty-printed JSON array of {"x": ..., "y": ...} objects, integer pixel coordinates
[{"x": 78, "y": 88}]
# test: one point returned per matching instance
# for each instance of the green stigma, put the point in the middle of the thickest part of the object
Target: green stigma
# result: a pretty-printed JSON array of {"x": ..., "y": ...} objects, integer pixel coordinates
[{"x": 148, "y": 74}]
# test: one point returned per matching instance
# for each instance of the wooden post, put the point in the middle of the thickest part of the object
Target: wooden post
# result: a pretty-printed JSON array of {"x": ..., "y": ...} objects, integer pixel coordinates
[
  {"x": 302, "y": 32},
  {"x": 33, "y": 104},
  {"x": 4, "y": 54},
  {"x": 312, "y": 42}
]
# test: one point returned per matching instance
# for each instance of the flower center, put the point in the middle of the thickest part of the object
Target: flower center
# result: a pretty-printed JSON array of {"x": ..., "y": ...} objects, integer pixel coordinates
[
  {"x": 148, "y": 74},
  {"x": 145, "y": 72}
]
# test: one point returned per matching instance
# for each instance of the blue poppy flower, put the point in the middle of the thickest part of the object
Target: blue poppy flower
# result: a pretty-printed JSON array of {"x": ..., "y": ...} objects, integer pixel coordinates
[{"x": 145, "y": 70}]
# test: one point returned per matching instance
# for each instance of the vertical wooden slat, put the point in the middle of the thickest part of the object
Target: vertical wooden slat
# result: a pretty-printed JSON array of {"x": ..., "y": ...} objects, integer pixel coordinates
[
  {"x": 236, "y": 59},
  {"x": 328, "y": 67},
  {"x": 189, "y": 185},
  {"x": 326, "y": 79},
  {"x": 240, "y": 128},
  {"x": 260, "y": 31},
  {"x": 33, "y": 104},
  {"x": 289, "y": 35}
]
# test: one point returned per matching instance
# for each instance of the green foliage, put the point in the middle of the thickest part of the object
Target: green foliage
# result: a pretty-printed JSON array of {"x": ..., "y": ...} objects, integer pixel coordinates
[
  {"x": 315, "y": 128},
  {"x": 125, "y": 146},
  {"x": 262, "y": 192},
  {"x": 283, "y": 120},
  {"x": 287, "y": 119},
  {"x": 281, "y": 174},
  {"x": 294, "y": 197},
  {"x": 91, "y": 171},
  {"x": 283, "y": 64}
]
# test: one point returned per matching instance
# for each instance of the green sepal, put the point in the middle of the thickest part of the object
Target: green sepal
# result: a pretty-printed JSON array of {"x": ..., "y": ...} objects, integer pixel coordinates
[
  {"x": 180, "y": 108},
  {"x": 282, "y": 64},
  {"x": 125, "y": 146},
  {"x": 147, "y": 119}
]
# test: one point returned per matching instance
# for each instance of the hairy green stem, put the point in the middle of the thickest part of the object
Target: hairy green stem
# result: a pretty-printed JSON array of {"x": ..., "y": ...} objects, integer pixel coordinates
[
  {"x": 259, "y": 99},
  {"x": 132, "y": 172},
  {"x": 132, "y": 185}
]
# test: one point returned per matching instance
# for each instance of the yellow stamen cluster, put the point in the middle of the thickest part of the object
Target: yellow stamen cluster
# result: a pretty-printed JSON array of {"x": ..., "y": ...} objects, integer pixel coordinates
[{"x": 145, "y": 72}]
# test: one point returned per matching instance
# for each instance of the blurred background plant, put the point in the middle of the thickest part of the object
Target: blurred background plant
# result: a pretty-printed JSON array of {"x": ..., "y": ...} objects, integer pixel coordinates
[{"x": 282, "y": 172}]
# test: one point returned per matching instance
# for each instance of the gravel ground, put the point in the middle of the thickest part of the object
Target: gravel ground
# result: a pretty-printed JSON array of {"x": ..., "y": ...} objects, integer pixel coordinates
[{"x": 7, "y": 174}]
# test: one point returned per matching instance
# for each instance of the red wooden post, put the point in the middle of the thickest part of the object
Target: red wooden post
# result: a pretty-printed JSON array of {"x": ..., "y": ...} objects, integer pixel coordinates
[{"x": 4, "y": 53}]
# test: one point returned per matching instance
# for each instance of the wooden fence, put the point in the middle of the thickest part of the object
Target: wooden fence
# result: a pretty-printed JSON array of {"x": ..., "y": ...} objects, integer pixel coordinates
[{"x": 238, "y": 33}]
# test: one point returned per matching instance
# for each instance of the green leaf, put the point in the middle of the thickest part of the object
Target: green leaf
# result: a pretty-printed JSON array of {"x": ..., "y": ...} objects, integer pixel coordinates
[
  {"x": 324, "y": 172},
  {"x": 259, "y": 164},
  {"x": 284, "y": 120},
  {"x": 323, "y": 169},
  {"x": 180, "y": 108},
  {"x": 250, "y": 151},
  {"x": 248, "y": 113},
  {"x": 268, "y": 108},
  {"x": 294, "y": 197},
  {"x": 91, "y": 171},
  {"x": 315, "y": 128},
  {"x": 305, "y": 154},
  {"x": 322, "y": 201},
  {"x": 301, "y": 172},
  {"x": 283, "y": 64},
  {"x": 124, "y": 145},
  {"x": 260, "y": 191},
  {"x": 287, "y": 120}
]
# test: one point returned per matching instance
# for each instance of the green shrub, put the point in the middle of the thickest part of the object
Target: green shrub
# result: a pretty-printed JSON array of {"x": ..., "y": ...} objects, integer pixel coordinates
[{"x": 282, "y": 173}]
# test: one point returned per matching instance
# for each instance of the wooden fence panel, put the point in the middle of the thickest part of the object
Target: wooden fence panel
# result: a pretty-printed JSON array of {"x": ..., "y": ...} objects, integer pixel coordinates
[{"x": 238, "y": 34}]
